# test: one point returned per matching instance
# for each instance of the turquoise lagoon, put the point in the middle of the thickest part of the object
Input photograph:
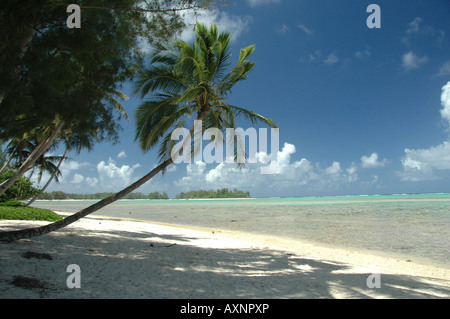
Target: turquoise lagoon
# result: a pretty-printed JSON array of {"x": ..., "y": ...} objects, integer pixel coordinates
[{"x": 404, "y": 226}]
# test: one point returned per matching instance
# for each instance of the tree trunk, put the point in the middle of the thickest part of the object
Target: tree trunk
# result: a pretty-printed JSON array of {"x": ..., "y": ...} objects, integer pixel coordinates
[
  {"x": 49, "y": 180},
  {"x": 10, "y": 236},
  {"x": 37, "y": 152},
  {"x": 13, "y": 235},
  {"x": 6, "y": 165}
]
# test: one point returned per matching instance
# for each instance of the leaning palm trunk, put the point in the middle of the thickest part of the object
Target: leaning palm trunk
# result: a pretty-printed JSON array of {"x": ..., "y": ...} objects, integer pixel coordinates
[
  {"x": 6, "y": 165},
  {"x": 10, "y": 236},
  {"x": 184, "y": 80},
  {"x": 49, "y": 180},
  {"x": 14, "y": 235},
  {"x": 37, "y": 152}
]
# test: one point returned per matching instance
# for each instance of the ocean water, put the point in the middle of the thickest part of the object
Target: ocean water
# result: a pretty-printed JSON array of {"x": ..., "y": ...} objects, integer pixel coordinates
[{"x": 407, "y": 227}]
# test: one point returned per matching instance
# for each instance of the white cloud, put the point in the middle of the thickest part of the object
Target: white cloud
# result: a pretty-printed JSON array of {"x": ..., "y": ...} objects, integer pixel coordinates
[
  {"x": 84, "y": 177},
  {"x": 444, "y": 69},
  {"x": 122, "y": 155},
  {"x": 255, "y": 3},
  {"x": 352, "y": 175},
  {"x": 445, "y": 102},
  {"x": 68, "y": 168},
  {"x": 305, "y": 29},
  {"x": 437, "y": 157},
  {"x": 78, "y": 178},
  {"x": 331, "y": 59},
  {"x": 236, "y": 25},
  {"x": 92, "y": 181},
  {"x": 372, "y": 161},
  {"x": 334, "y": 169},
  {"x": 416, "y": 30},
  {"x": 421, "y": 164},
  {"x": 290, "y": 174},
  {"x": 113, "y": 177},
  {"x": 283, "y": 29},
  {"x": 411, "y": 61},
  {"x": 312, "y": 57},
  {"x": 414, "y": 26},
  {"x": 363, "y": 53}
]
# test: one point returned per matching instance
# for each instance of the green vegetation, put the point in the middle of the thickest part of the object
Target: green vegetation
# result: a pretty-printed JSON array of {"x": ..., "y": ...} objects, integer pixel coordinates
[
  {"x": 220, "y": 193},
  {"x": 69, "y": 98},
  {"x": 58, "y": 195},
  {"x": 60, "y": 87},
  {"x": 21, "y": 189},
  {"x": 11, "y": 208},
  {"x": 16, "y": 211},
  {"x": 157, "y": 195}
]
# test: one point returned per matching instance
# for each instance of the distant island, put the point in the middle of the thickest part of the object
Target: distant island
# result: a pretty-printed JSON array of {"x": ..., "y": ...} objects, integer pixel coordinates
[{"x": 220, "y": 193}]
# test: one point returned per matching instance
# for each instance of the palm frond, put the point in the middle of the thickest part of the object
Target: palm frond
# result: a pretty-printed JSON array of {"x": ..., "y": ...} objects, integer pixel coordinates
[
  {"x": 253, "y": 117},
  {"x": 237, "y": 74},
  {"x": 185, "y": 79},
  {"x": 117, "y": 105},
  {"x": 158, "y": 78}
]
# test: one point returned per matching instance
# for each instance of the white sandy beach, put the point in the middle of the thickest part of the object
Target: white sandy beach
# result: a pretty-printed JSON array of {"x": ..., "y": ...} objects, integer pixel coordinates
[{"x": 132, "y": 259}]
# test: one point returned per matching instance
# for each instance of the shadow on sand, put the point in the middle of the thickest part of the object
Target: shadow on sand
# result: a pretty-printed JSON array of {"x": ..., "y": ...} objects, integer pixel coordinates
[{"x": 141, "y": 264}]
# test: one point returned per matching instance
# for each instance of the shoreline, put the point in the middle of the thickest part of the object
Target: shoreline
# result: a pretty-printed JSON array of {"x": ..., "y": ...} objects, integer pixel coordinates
[
  {"x": 283, "y": 242},
  {"x": 125, "y": 258},
  {"x": 311, "y": 248}
]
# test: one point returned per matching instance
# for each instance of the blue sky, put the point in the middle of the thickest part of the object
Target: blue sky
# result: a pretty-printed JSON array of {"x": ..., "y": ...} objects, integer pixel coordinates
[{"x": 360, "y": 110}]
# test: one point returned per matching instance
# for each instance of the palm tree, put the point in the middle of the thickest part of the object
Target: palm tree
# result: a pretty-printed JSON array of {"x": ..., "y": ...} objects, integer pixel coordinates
[
  {"x": 55, "y": 173},
  {"x": 189, "y": 80},
  {"x": 10, "y": 152},
  {"x": 38, "y": 151},
  {"x": 182, "y": 82},
  {"x": 19, "y": 151},
  {"x": 79, "y": 132}
]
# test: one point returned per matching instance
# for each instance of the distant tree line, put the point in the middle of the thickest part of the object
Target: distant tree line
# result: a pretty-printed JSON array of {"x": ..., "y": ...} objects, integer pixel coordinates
[
  {"x": 57, "y": 195},
  {"x": 220, "y": 193}
]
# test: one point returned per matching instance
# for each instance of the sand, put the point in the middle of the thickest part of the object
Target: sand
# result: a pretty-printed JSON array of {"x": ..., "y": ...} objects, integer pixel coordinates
[{"x": 133, "y": 259}]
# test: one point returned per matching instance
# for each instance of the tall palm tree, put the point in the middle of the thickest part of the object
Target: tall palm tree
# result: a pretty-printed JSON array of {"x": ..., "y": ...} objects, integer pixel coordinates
[
  {"x": 39, "y": 150},
  {"x": 182, "y": 82},
  {"x": 45, "y": 163},
  {"x": 20, "y": 150},
  {"x": 10, "y": 152},
  {"x": 54, "y": 171}
]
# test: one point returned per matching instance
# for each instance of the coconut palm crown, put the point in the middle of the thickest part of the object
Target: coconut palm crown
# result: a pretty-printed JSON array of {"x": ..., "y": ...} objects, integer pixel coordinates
[
  {"x": 185, "y": 80},
  {"x": 182, "y": 80}
]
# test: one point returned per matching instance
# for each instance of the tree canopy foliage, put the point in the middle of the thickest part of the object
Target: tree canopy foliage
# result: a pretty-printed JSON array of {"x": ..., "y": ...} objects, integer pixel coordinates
[
  {"x": 62, "y": 85},
  {"x": 220, "y": 193},
  {"x": 58, "y": 195},
  {"x": 21, "y": 189},
  {"x": 184, "y": 82}
]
